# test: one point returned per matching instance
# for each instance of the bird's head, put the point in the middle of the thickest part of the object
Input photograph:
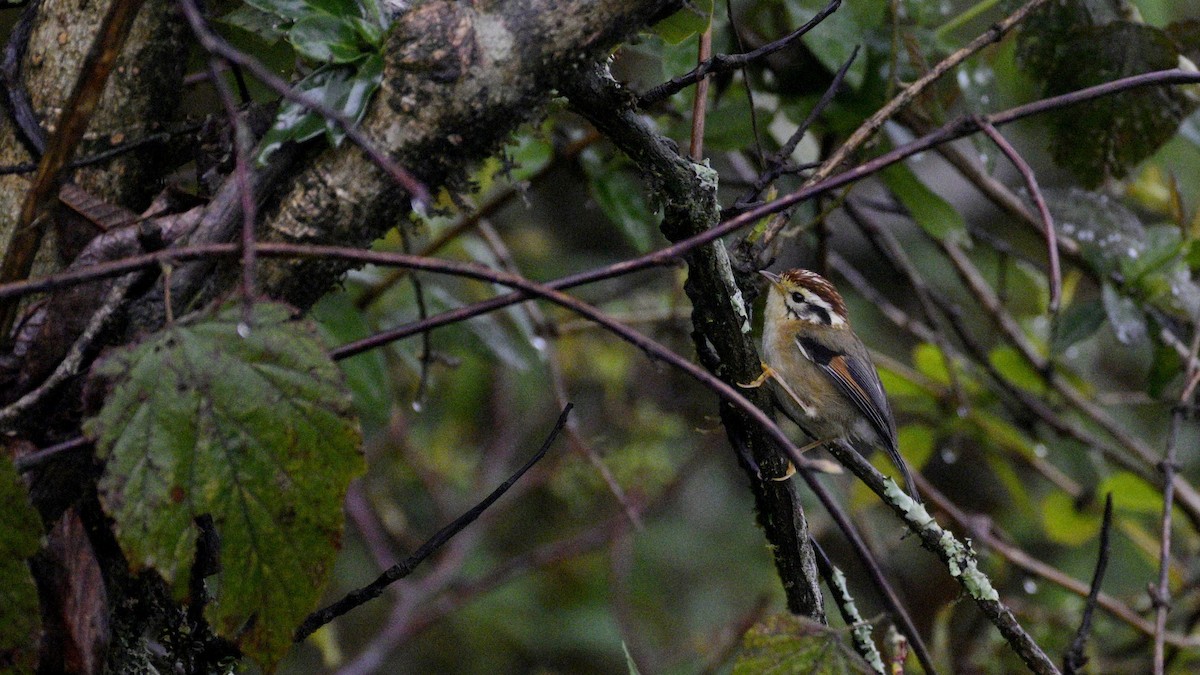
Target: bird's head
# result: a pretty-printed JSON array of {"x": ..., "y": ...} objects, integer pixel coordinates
[{"x": 803, "y": 295}]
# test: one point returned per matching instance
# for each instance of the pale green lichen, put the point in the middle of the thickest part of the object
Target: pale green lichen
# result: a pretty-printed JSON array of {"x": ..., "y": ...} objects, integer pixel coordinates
[
  {"x": 735, "y": 298},
  {"x": 964, "y": 567},
  {"x": 861, "y": 629},
  {"x": 914, "y": 512}
]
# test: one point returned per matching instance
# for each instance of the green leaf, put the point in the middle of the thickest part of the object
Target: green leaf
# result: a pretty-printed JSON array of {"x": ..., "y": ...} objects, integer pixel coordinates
[
  {"x": 916, "y": 443},
  {"x": 692, "y": 19},
  {"x": 783, "y": 644},
  {"x": 619, "y": 194},
  {"x": 1009, "y": 362},
  {"x": 1078, "y": 322},
  {"x": 834, "y": 40},
  {"x": 1107, "y": 136},
  {"x": 268, "y": 26},
  {"x": 345, "y": 89},
  {"x": 255, "y": 431},
  {"x": 930, "y": 362},
  {"x": 1064, "y": 524},
  {"x": 20, "y": 616},
  {"x": 327, "y": 39},
  {"x": 1126, "y": 318},
  {"x": 1131, "y": 493},
  {"x": 1163, "y": 245},
  {"x": 935, "y": 215},
  {"x": 1166, "y": 367},
  {"x": 288, "y": 9}
]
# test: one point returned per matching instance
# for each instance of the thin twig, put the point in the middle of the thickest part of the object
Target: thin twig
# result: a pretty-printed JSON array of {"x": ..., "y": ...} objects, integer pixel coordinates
[
  {"x": 1035, "y": 193},
  {"x": 545, "y": 328},
  {"x": 74, "y": 357},
  {"x": 700, "y": 100},
  {"x": 405, "y": 567},
  {"x": 725, "y": 62},
  {"x": 1074, "y": 659},
  {"x": 34, "y": 459},
  {"x": 868, "y": 128},
  {"x": 241, "y": 151},
  {"x": 780, "y": 162},
  {"x": 1161, "y": 592}
]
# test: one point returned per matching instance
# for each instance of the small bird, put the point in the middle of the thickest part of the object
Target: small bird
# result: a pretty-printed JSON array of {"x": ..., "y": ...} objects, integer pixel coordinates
[{"x": 824, "y": 378}]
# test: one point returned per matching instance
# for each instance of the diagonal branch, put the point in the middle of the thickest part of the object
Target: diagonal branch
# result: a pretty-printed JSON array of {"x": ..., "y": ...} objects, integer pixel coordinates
[{"x": 405, "y": 567}]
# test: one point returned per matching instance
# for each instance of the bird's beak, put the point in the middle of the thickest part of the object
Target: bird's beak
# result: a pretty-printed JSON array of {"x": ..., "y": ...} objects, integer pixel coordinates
[{"x": 771, "y": 276}]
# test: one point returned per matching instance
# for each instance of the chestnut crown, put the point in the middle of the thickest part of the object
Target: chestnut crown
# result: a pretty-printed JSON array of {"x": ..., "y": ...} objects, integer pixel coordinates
[{"x": 808, "y": 296}]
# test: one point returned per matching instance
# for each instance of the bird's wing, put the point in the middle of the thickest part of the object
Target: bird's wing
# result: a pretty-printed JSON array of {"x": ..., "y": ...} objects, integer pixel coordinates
[{"x": 856, "y": 379}]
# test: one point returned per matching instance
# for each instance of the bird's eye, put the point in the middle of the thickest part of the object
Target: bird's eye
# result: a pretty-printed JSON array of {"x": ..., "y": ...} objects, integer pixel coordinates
[{"x": 797, "y": 298}]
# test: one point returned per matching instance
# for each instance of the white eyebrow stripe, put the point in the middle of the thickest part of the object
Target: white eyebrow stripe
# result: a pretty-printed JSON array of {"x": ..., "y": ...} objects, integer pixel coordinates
[{"x": 835, "y": 319}]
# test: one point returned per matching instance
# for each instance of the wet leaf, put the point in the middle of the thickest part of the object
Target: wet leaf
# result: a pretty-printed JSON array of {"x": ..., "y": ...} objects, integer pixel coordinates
[
  {"x": 1126, "y": 319},
  {"x": 255, "y": 431},
  {"x": 1107, "y": 136},
  {"x": 935, "y": 215},
  {"x": 784, "y": 643}
]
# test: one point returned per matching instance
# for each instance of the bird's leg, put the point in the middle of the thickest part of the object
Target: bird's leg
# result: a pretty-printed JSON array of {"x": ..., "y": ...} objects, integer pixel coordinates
[{"x": 769, "y": 373}]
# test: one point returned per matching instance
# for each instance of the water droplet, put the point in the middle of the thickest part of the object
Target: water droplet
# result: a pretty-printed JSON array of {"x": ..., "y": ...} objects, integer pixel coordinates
[
  {"x": 538, "y": 342},
  {"x": 1072, "y": 352},
  {"x": 949, "y": 456},
  {"x": 962, "y": 411},
  {"x": 243, "y": 330},
  {"x": 1040, "y": 450},
  {"x": 1029, "y": 586},
  {"x": 417, "y": 406},
  {"x": 1131, "y": 252}
]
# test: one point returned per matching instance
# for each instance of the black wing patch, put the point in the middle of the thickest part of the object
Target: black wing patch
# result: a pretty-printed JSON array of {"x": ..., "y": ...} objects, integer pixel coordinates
[{"x": 857, "y": 381}]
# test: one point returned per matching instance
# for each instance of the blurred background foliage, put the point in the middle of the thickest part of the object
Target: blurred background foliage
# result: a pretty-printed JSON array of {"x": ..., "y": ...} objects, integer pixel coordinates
[{"x": 634, "y": 541}]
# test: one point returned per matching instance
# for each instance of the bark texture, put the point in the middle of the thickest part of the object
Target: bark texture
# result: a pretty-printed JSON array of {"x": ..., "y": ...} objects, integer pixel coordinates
[{"x": 459, "y": 80}]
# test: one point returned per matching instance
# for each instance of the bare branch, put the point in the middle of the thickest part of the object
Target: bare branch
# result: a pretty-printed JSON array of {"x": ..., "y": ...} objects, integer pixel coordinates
[{"x": 405, "y": 567}]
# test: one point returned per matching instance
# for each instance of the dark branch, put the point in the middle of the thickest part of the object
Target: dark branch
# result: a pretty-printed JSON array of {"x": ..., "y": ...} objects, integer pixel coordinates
[
  {"x": 1074, "y": 660},
  {"x": 722, "y": 63},
  {"x": 406, "y": 566}
]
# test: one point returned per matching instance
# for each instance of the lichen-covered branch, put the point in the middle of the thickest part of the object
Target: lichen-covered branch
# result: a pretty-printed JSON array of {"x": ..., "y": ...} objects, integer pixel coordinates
[{"x": 687, "y": 192}]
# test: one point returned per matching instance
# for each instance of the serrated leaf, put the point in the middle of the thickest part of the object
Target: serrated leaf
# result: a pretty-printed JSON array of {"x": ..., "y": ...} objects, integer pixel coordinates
[
  {"x": 1107, "y": 136},
  {"x": 255, "y": 431},
  {"x": 932, "y": 213},
  {"x": 20, "y": 532},
  {"x": 785, "y": 643}
]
